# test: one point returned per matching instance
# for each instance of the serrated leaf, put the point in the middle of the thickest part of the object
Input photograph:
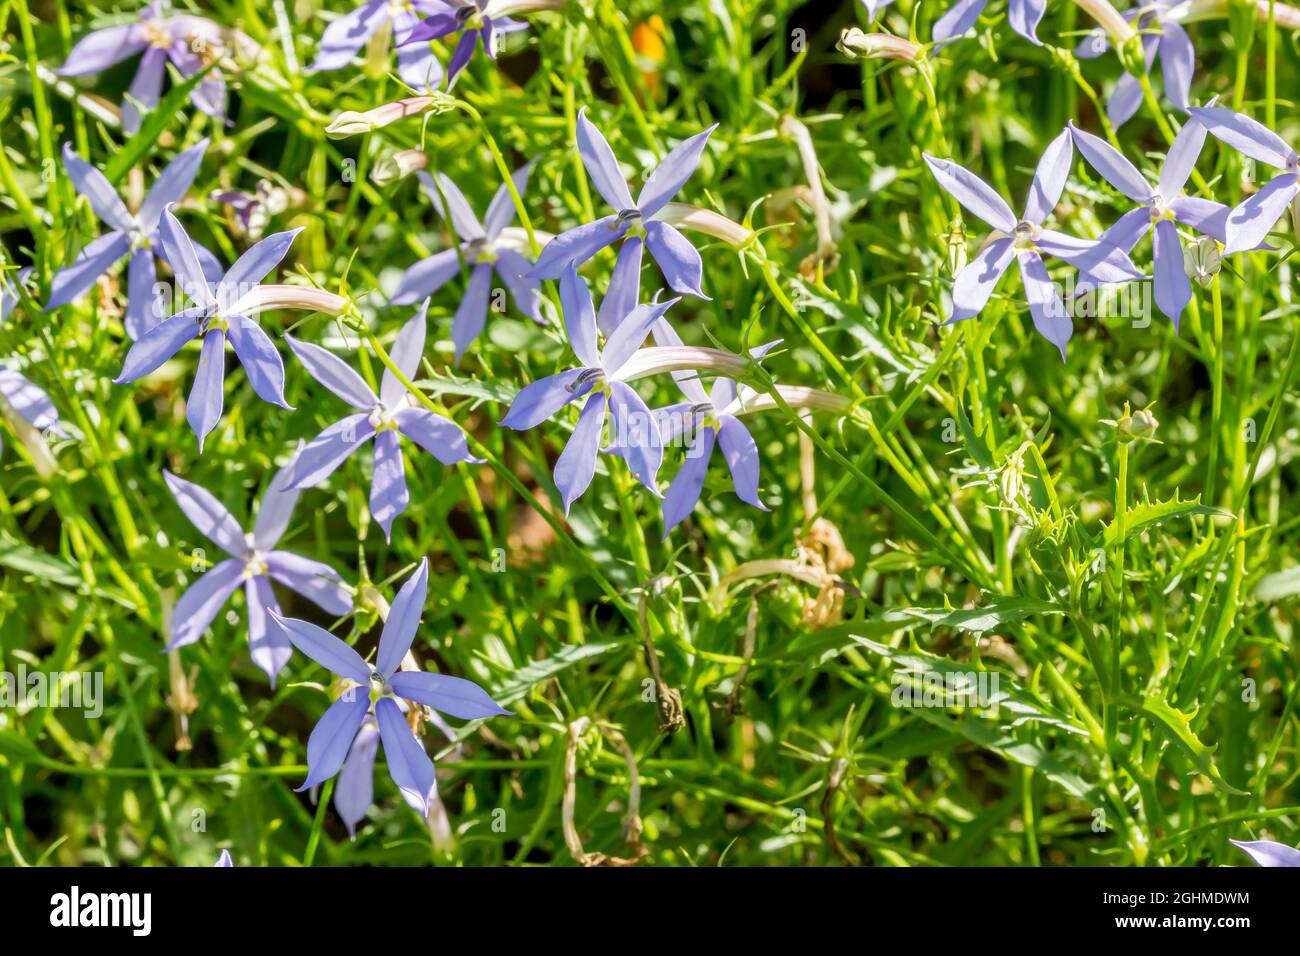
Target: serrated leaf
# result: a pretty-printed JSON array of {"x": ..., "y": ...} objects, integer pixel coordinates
[
  {"x": 1148, "y": 514},
  {"x": 975, "y": 446},
  {"x": 525, "y": 678},
  {"x": 1178, "y": 727},
  {"x": 1001, "y": 610},
  {"x": 39, "y": 564}
]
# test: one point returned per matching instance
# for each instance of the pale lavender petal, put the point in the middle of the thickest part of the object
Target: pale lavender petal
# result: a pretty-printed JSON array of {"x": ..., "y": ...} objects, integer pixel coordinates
[
  {"x": 207, "y": 394},
  {"x": 1250, "y": 222},
  {"x": 224, "y": 860},
  {"x": 1024, "y": 17},
  {"x": 472, "y": 311},
  {"x": 355, "y": 788},
  {"x": 207, "y": 514},
  {"x": 29, "y": 400},
  {"x": 100, "y": 49},
  {"x": 741, "y": 453},
  {"x": 1111, "y": 165},
  {"x": 346, "y": 35},
  {"x": 1181, "y": 160},
  {"x": 334, "y": 373},
  {"x": 454, "y": 696},
  {"x": 678, "y": 259},
  {"x": 254, "y": 265},
  {"x": 433, "y": 28},
  {"x": 671, "y": 174},
  {"x": 527, "y": 293},
  {"x": 171, "y": 185},
  {"x": 677, "y": 419},
  {"x": 276, "y": 509},
  {"x": 461, "y": 55},
  {"x": 331, "y": 738},
  {"x": 1128, "y": 229},
  {"x": 418, "y": 67},
  {"x": 501, "y": 211},
  {"x": 408, "y": 764},
  {"x": 426, "y": 277},
  {"x": 97, "y": 190},
  {"x": 145, "y": 89},
  {"x": 326, "y": 650},
  {"x": 1269, "y": 853},
  {"x": 601, "y": 165},
  {"x": 403, "y": 620},
  {"x": 1203, "y": 215},
  {"x": 202, "y": 600},
  {"x": 687, "y": 381},
  {"x": 976, "y": 282},
  {"x": 452, "y": 205},
  {"x": 89, "y": 265},
  {"x": 388, "y": 494},
  {"x": 268, "y": 646},
  {"x": 1124, "y": 101},
  {"x": 961, "y": 16},
  {"x": 317, "y": 582},
  {"x": 1173, "y": 290},
  {"x": 1177, "y": 62},
  {"x": 210, "y": 95},
  {"x": 577, "y": 463},
  {"x": 440, "y": 437},
  {"x": 329, "y": 449},
  {"x": 575, "y": 247},
  {"x": 684, "y": 491},
  {"x": 406, "y": 353},
  {"x": 1049, "y": 179},
  {"x": 159, "y": 344},
  {"x": 1245, "y": 135},
  {"x": 180, "y": 254},
  {"x": 627, "y": 338},
  {"x": 579, "y": 317},
  {"x": 141, "y": 277},
  {"x": 261, "y": 361},
  {"x": 541, "y": 399},
  {"x": 624, "y": 290},
  {"x": 1103, "y": 261},
  {"x": 973, "y": 193},
  {"x": 634, "y": 434},
  {"x": 1045, "y": 305}
]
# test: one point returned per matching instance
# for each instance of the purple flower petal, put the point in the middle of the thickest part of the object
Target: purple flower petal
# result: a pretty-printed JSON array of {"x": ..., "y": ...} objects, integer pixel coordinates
[
  {"x": 1269, "y": 853},
  {"x": 268, "y": 647},
  {"x": 202, "y": 600},
  {"x": 579, "y": 317},
  {"x": 1127, "y": 230},
  {"x": 418, "y": 67},
  {"x": 1182, "y": 157},
  {"x": 601, "y": 165},
  {"x": 634, "y": 434},
  {"x": 678, "y": 259},
  {"x": 449, "y": 695},
  {"x": 1106, "y": 263},
  {"x": 1124, "y": 101},
  {"x": 461, "y": 55},
  {"x": 1024, "y": 17},
  {"x": 452, "y": 205},
  {"x": 1203, "y": 215},
  {"x": 158, "y": 345},
  {"x": 1049, "y": 179},
  {"x": 541, "y": 399},
  {"x": 145, "y": 89},
  {"x": 973, "y": 193},
  {"x": 1177, "y": 62},
  {"x": 976, "y": 282},
  {"x": 331, "y": 738},
  {"x": 210, "y": 95},
  {"x": 224, "y": 860},
  {"x": 100, "y": 49},
  {"x": 171, "y": 185},
  {"x": 141, "y": 277},
  {"x": 961, "y": 16},
  {"x": 1252, "y": 220},
  {"x": 334, "y": 373},
  {"x": 526, "y": 292},
  {"x": 1045, "y": 305},
  {"x": 326, "y": 650},
  {"x": 440, "y": 437},
  {"x": 408, "y": 764},
  {"x": 624, "y": 290},
  {"x": 671, "y": 174},
  {"x": 317, "y": 582},
  {"x": 180, "y": 255},
  {"x": 501, "y": 211},
  {"x": 577, "y": 463},
  {"x": 631, "y": 333},
  {"x": 687, "y": 381},
  {"x": 30, "y": 401},
  {"x": 347, "y": 34},
  {"x": 406, "y": 353},
  {"x": 472, "y": 311},
  {"x": 388, "y": 494},
  {"x": 329, "y": 449},
  {"x": 355, "y": 788},
  {"x": 433, "y": 28},
  {"x": 261, "y": 361},
  {"x": 90, "y": 264},
  {"x": 575, "y": 247},
  {"x": 1111, "y": 164},
  {"x": 1173, "y": 290},
  {"x": 207, "y": 514},
  {"x": 97, "y": 190},
  {"x": 403, "y": 620},
  {"x": 741, "y": 453},
  {"x": 207, "y": 394},
  {"x": 426, "y": 277},
  {"x": 254, "y": 266},
  {"x": 276, "y": 509},
  {"x": 1245, "y": 135},
  {"x": 684, "y": 491}
]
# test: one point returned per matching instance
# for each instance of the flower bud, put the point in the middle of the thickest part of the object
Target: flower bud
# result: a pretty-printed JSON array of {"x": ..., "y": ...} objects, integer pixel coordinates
[
  {"x": 1202, "y": 261},
  {"x": 857, "y": 45},
  {"x": 1139, "y": 426},
  {"x": 352, "y": 123},
  {"x": 389, "y": 169}
]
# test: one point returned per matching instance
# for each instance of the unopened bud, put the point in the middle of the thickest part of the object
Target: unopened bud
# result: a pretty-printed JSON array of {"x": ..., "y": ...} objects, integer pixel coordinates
[
  {"x": 1139, "y": 426},
  {"x": 389, "y": 169},
  {"x": 352, "y": 123},
  {"x": 857, "y": 45},
  {"x": 1202, "y": 261}
]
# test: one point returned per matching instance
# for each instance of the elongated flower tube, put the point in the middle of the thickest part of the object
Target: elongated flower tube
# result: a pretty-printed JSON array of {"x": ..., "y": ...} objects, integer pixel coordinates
[
  {"x": 352, "y": 123},
  {"x": 1251, "y": 220},
  {"x": 1026, "y": 240},
  {"x": 1268, "y": 852},
  {"x": 220, "y": 314},
  {"x": 877, "y": 46},
  {"x": 133, "y": 235},
  {"x": 1163, "y": 208},
  {"x": 254, "y": 561},
  {"x": 371, "y": 709},
  {"x": 636, "y": 223},
  {"x": 1110, "y": 19},
  {"x": 1162, "y": 36},
  {"x": 382, "y": 417},
  {"x": 346, "y": 35},
  {"x": 482, "y": 251},
  {"x": 602, "y": 379}
]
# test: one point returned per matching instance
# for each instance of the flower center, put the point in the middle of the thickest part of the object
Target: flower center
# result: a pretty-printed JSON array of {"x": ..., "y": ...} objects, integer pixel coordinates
[
  {"x": 480, "y": 252},
  {"x": 629, "y": 220},
  {"x": 586, "y": 380},
  {"x": 379, "y": 686},
  {"x": 469, "y": 17},
  {"x": 381, "y": 418},
  {"x": 1025, "y": 234},
  {"x": 1160, "y": 211},
  {"x": 254, "y": 560},
  {"x": 155, "y": 33}
]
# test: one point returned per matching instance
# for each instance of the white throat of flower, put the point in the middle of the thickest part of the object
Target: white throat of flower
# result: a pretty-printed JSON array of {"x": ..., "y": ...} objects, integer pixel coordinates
[{"x": 254, "y": 559}]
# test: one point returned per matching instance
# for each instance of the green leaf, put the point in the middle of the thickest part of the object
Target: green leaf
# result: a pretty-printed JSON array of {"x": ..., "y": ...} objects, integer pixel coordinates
[
  {"x": 1001, "y": 610},
  {"x": 975, "y": 446},
  {"x": 16, "y": 746},
  {"x": 154, "y": 122},
  {"x": 1275, "y": 587},
  {"x": 28, "y": 560},
  {"x": 525, "y": 678},
  {"x": 1148, "y": 514},
  {"x": 1178, "y": 727}
]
